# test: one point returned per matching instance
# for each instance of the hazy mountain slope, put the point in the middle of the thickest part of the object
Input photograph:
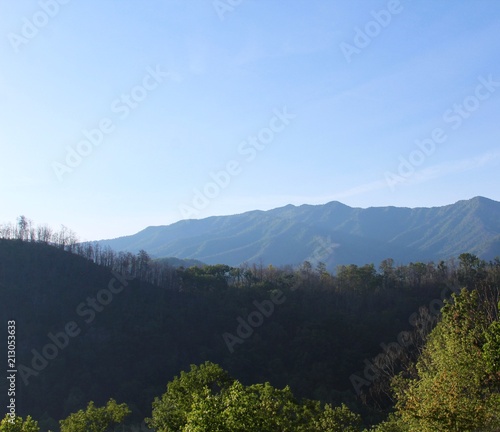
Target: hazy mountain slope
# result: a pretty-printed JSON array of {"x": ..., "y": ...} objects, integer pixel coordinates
[{"x": 333, "y": 233}]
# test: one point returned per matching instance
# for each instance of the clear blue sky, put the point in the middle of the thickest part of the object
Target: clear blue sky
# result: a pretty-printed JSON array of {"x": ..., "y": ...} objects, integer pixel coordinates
[{"x": 178, "y": 87}]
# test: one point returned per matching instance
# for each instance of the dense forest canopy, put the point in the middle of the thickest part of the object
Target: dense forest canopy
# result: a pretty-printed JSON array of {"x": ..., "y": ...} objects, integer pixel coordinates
[{"x": 365, "y": 346}]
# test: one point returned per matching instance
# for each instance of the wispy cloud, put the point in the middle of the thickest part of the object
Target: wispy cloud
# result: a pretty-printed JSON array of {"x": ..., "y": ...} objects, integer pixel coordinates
[
  {"x": 424, "y": 175},
  {"x": 454, "y": 167}
]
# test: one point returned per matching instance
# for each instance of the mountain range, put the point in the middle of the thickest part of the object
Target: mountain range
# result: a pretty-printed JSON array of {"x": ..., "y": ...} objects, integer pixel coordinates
[{"x": 332, "y": 233}]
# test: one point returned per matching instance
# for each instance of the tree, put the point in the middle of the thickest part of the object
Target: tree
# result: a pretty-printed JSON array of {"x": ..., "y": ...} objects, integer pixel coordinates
[
  {"x": 263, "y": 408},
  {"x": 170, "y": 413},
  {"x": 453, "y": 390},
  {"x": 18, "y": 424},
  {"x": 143, "y": 263},
  {"x": 388, "y": 274},
  {"x": 205, "y": 399},
  {"x": 208, "y": 278},
  {"x": 338, "y": 419},
  {"x": 470, "y": 269},
  {"x": 491, "y": 349},
  {"x": 360, "y": 279},
  {"x": 43, "y": 234},
  {"x": 95, "y": 419},
  {"x": 22, "y": 227}
]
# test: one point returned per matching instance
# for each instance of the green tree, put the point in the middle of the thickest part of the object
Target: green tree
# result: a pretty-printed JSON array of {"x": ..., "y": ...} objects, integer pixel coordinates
[
  {"x": 259, "y": 407},
  {"x": 205, "y": 279},
  {"x": 263, "y": 408},
  {"x": 170, "y": 412},
  {"x": 338, "y": 419},
  {"x": 205, "y": 399},
  {"x": 18, "y": 424},
  {"x": 361, "y": 279},
  {"x": 95, "y": 419},
  {"x": 491, "y": 349},
  {"x": 453, "y": 390},
  {"x": 205, "y": 414}
]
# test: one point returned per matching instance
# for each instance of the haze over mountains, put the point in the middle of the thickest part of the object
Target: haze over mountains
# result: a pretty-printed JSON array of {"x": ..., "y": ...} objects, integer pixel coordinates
[{"x": 332, "y": 233}]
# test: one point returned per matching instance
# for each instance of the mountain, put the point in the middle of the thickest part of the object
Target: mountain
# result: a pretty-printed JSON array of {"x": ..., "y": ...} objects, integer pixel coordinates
[{"x": 332, "y": 233}]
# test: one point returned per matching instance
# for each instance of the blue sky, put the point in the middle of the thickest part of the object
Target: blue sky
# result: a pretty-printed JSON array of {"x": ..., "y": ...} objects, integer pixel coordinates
[{"x": 370, "y": 103}]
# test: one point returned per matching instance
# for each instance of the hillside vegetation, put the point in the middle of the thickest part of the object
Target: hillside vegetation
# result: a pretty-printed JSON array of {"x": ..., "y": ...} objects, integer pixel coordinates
[{"x": 363, "y": 341}]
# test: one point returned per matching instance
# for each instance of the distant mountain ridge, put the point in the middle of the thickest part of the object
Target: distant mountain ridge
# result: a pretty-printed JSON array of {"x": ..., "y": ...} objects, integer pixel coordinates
[{"x": 332, "y": 233}]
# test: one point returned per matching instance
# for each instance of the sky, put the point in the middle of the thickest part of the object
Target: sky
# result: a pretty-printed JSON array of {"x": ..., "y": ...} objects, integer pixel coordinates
[{"x": 121, "y": 114}]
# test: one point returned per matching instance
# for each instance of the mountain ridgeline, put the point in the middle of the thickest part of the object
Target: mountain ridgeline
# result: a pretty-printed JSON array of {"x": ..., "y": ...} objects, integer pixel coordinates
[{"x": 333, "y": 233}]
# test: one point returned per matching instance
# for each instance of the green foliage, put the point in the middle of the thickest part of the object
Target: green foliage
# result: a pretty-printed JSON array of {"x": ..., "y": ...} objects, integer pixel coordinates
[
  {"x": 260, "y": 407},
  {"x": 208, "y": 278},
  {"x": 393, "y": 424},
  {"x": 95, "y": 419},
  {"x": 453, "y": 391},
  {"x": 364, "y": 278},
  {"x": 338, "y": 419},
  {"x": 492, "y": 348},
  {"x": 19, "y": 425},
  {"x": 191, "y": 405},
  {"x": 171, "y": 411}
]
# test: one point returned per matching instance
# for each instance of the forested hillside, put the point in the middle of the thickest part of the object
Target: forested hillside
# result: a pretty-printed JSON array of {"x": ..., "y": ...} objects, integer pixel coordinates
[
  {"x": 331, "y": 233},
  {"x": 124, "y": 325}
]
